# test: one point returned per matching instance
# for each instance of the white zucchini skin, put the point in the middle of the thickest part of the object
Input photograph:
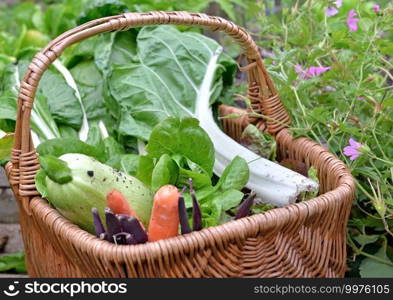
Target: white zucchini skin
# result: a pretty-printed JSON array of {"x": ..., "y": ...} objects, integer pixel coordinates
[{"x": 91, "y": 181}]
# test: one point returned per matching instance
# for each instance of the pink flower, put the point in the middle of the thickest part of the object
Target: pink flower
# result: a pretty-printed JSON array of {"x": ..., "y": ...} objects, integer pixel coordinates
[
  {"x": 352, "y": 22},
  {"x": 316, "y": 71},
  {"x": 361, "y": 98},
  {"x": 376, "y": 8},
  {"x": 310, "y": 72},
  {"x": 352, "y": 151},
  {"x": 331, "y": 11}
]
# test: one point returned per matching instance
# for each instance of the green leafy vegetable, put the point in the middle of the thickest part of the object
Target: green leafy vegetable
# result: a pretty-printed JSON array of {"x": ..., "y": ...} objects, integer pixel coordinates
[
  {"x": 113, "y": 151},
  {"x": 102, "y": 8},
  {"x": 145, "y": 169},
  {"x": 15, "y": 261},
  {"x": 165, "y": 80},
  {"x": 199, "y": 179},
  {"x": 90, "y": 83},
  {"x": 56, "y": 169},
  {"x": 182, "y": 137},
  {"x": 380, "y": 266},
  {"x": 40, "y": 183},
  {"x": 164, "y": 172},
  {"x": 235, "y": 175},
  {"x": 228, "y": 199},
  {"x": 366, "y": 239},
  {"x": 259, "y": 142},
  {"x": 90, "y": 184},
  {"x": 62, "y": 102},
  {"x": 6, "y": 144},
  {"x": 129, "y": 164},
  {"x": 58, "y": 147}
]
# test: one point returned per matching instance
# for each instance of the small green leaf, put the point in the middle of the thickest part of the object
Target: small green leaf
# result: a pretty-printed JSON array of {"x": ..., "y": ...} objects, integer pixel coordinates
[
  {"x": 259, "y": 142},
  {"x": 15, "y": 261},
  {"x": 199, "y": 180},
  {"x": 145, "y": 169},
  {"x": 129, "y": 164},
  {"x": 60, "y": 146},
  {"x": 6, "y": 144},
  {"x": 40, "y": 183},
  {"x": 164, "y": 172},
  {"x": 229, "y": 199},
  {"x": 185, "y": 137},
  {"x": 56, "y": 169},
  {"x": 371, "y": 268},
  {"x": 366, "y": 239},
  {"x": 235, "y": 175},
  {"x": 113, "y": 151}
]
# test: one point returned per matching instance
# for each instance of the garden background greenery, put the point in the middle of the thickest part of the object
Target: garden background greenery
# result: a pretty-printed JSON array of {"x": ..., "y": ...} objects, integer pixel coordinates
[{"x": 331, "y": 61}]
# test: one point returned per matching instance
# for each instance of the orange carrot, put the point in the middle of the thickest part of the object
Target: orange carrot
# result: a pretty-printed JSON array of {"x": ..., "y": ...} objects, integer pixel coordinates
[
  {"x": 164, "y": 220},
  {"x": 118, "y": 203}
]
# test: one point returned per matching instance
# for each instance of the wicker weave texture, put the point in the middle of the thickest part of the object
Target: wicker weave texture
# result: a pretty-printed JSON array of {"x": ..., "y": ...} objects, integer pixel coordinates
[{"x": 302, "y": 240}]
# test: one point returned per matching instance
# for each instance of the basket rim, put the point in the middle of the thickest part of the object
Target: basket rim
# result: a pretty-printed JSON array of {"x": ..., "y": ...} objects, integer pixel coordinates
[{"x": 217, "y": 235}]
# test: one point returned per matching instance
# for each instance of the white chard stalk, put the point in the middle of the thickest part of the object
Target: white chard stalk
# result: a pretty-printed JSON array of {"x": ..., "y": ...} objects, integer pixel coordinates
[{"x": 273, "y": 183}]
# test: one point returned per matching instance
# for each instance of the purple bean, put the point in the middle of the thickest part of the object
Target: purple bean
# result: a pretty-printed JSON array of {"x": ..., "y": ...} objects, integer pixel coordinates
[
  {"x": 184, "y": 225},
  {"x": 99, "y": 228},
  {"x": 196, "y": 210},
  {"x": 245, "y": 208},
  {"x": 136, "y": 230},
  {"x": 112, "y": 224}
]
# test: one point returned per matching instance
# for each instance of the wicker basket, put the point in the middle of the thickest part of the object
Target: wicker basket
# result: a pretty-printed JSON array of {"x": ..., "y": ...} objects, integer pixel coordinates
[{"x": 306, "y": 239}]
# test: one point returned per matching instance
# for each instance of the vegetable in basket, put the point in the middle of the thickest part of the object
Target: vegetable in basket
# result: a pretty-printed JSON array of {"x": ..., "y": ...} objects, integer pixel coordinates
[
  {"x": 168, "y": 212},
  {"x": 75, "y": 183},
  {"x": 120, "y": 228},
  {"x": 164, "y": 220},
  {"x": 162, "y": 80}
]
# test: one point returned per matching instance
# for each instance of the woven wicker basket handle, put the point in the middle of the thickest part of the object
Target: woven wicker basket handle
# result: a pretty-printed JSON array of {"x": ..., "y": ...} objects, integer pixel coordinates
[{"x": 261, "y": 90}]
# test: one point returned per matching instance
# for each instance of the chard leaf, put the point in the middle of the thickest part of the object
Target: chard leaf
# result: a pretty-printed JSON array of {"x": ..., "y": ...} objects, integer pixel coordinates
[
  {"x": 41, "y": 119},
  {"x": 166, "y": 78},
  {"x": 117, "y": 48},
  {"x": 138, "y": 128},
  {"x": 129, "y": 164},
  {"x": 94, "y": 136},
  {"x": 100, "y": 9},
  {"x": 62, "y": 102},
  {"x": 91, "y": 88},
  {"x": 8, "y": 106},
  {"x": 113, "y": 151},
  {"x": 68, "y": 132}
]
